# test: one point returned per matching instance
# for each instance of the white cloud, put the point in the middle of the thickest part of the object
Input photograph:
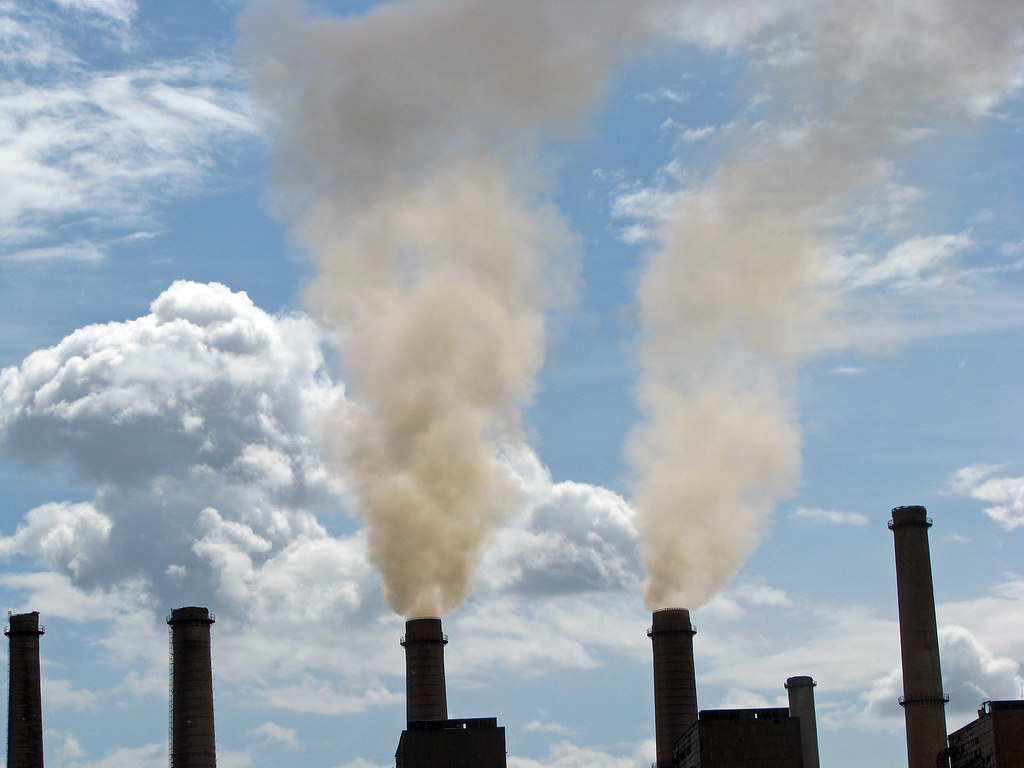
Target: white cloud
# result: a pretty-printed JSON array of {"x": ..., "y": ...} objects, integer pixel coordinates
[
  {"x": 880, "y": 708},
  {"x": 567, "y": 755},
  {"x": 1006, "y": 494},
  {"x": 737, "y": 698},
  {"x": 761, "y": 594},
  {"x": 323, "y": 699},
  {"x": 64, "y": 694},
  {"x": 67, "y": 536},
  {"x": 272, "y": 732},
  {"x": 198, "y": 427},
  {"x": 70, "y": 748},
  {"x": 971, "y": 673},
  {"x": 691, "y": 135},
  {"x": 230, "y": 759},
  {"x": 122, "y": 11},
  {"x": 148, "y": 756},
  {"x": 914, "y": 264},
  {"x": 572, "y": 537},
  {"x": 548, "y": 727},
  {"x": 86, "y": 151},
  {"x": 829, "y": 516}
]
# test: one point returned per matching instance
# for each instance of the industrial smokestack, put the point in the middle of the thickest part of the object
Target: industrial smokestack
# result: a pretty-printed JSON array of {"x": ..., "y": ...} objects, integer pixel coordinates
[
  {"x": 801, "y": 705},
  {"x": 192, "y": 736},
  {"x": 425, "y": 695},
  {"x": 24, "y": 704},
  {"x": 675, "y": 685},
  {"x": 923, "y": 701}
]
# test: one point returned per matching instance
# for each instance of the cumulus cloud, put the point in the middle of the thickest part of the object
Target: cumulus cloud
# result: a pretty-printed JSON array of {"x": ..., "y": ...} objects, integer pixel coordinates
[
  {"x": 199, "y": 427},
  {"x": 571, "y": 537},
  {"x": 971, "y": 674},
  {"x": 198, "y": 413},
  {"x": 1006, "y": 494}
]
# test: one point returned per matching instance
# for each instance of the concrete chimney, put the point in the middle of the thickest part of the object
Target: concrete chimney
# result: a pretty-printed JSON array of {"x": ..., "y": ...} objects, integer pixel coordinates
[
  {"x": 24, "y": 703},
  {"x": 192, "y": 737},
  {"x": 425, "y": 695},
  {"x": 923, "y": 701},
  {"x": 801, "y": 705},
  {"x": 675, "y": 685}
]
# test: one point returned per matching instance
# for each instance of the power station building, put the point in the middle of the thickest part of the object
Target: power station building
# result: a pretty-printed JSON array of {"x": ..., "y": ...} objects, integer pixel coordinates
[
  {"x": 994, "y": 740},
  {"x": 777, "y": 737},
  {"x": 741, "y": 738}
]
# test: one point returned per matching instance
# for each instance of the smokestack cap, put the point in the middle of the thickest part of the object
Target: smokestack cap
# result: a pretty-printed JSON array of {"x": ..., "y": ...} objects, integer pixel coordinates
[
  {"x": 671, "y": 620},
  {"x": 799, "y": 681},
  {"x": 424, "y": 629},
  {"x": 24, "y": 624},
  {"x": 190, "y": 613},
  {"x": 910, "y": 516}
]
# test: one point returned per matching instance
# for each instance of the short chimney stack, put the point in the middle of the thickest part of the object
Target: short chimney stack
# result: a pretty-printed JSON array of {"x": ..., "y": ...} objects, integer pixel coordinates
[{"x": 801, "y": 705}]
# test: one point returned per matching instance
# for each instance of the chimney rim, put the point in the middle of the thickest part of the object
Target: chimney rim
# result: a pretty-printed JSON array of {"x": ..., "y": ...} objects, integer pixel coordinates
[{"x": 800, "y": 681}]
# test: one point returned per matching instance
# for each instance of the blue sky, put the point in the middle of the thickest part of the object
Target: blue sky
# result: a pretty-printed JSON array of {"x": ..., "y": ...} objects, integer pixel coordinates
[{"x": 538, "y": 315}]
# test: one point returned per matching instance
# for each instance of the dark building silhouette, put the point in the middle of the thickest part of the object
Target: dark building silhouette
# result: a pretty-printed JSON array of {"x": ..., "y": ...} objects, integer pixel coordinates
[
  {"x": 675, "y": 683},
  {"x": 473, "y": 743},
  {"x": 192, "y": 733},
  {"x": 430, "y": 739},
  {"x": 777, "y": 737},
  {"x": 24, "y": 703},
  {"x": 994, "y": 740},
  {"x": 801, "y": 705},
  {"x": 741, "y": 738},
  {"x": 923, "y": 701}
]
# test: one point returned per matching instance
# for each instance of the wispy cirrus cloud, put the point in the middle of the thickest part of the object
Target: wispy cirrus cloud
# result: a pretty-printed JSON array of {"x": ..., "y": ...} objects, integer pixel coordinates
[
  {"x": 89, "y": 149},
  {"x": 837, "y": 517}
]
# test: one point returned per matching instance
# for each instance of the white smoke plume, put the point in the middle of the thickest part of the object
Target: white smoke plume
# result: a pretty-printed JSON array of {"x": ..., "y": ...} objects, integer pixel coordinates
[
  {"x": 406, "y": 151},
  {"x": 741, "y": 287}
]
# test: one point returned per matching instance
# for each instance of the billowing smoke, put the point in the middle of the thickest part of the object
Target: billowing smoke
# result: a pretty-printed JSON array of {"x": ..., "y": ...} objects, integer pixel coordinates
[
  {"x": 406, "y": 153},
  {"x": 742, "y": 287}
]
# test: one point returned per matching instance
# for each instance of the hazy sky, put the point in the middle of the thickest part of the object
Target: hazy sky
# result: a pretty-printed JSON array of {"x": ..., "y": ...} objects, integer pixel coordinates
[{"x": 539, "y": 315}]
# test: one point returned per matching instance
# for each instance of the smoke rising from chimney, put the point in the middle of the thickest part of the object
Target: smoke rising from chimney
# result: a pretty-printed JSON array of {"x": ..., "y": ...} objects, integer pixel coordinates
[
  {"x": 744, "y": 283},
  {"x": 405, "y": 149}
]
